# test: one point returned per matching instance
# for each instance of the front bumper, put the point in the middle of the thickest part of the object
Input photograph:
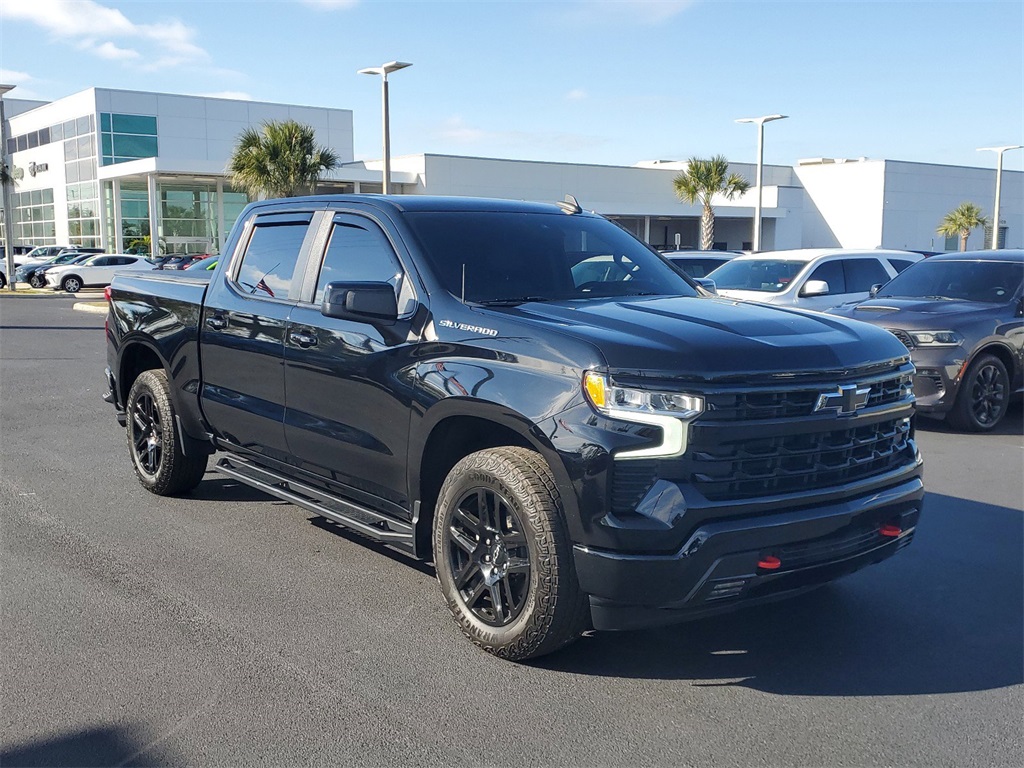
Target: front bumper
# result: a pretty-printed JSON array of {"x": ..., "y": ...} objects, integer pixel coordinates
[
  {"x": 717, "y": 569},
  {"x": 937, "y": 379}
]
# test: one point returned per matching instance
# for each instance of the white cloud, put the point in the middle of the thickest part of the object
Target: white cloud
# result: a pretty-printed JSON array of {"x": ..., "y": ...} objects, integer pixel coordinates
[
  {"x": 13, "y": 77},
  {"x": 94, "y": 27},
  {"x": 576, "y": 94},
  {"x": 110, "y": 51}
]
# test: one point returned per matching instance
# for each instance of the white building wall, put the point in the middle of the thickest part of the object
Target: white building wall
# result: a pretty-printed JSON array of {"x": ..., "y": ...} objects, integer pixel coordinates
[
  {"x": 919, "y": 195},
  {"x": 844, "y": 204}
]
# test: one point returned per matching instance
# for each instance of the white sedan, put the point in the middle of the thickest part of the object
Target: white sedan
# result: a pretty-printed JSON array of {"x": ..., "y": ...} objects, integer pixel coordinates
[{"x": 97, "y": 271}]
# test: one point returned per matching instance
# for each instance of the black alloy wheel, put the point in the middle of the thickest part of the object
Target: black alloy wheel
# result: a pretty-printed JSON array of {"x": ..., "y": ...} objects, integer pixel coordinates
[
  {"x": 489, "y": 557},
  {"x": 503, "y": 555},
  {"x": 37, "y": 280},
  {"x": 147, "y": 433},
  {"x": 984, "y": 396},
  {"x": 154, "y": 445}
]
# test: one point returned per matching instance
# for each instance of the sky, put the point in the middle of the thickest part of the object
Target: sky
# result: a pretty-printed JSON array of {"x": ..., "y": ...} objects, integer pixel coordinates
[{"x": 609, "y": 82}]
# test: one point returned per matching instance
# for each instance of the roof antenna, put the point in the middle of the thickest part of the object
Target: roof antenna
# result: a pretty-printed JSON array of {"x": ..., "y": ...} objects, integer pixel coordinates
[{"x": 569, "y": 205}]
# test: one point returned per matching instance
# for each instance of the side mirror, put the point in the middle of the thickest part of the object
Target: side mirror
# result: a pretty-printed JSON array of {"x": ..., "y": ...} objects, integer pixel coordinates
[
  {"x": 367, "y": 302},
  {"x": 814, "y": 288},
  {"x": 707, "y": 284},
  {"x": 874, "y": 290}
]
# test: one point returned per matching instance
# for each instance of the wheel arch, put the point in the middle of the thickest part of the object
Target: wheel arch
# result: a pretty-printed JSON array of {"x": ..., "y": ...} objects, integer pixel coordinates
[
  {"x": 454, "y": 432},
  {"x": 1001, "y": 351}
]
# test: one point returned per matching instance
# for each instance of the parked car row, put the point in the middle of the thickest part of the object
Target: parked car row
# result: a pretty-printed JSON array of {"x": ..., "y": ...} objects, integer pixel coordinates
[
  {"x": 961, "y": 315},
  {"x": 71, "y": 269}
]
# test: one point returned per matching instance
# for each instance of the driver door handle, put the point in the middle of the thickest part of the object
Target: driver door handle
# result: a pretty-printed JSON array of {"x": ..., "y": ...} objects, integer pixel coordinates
[{"x": 217, "y": 322}]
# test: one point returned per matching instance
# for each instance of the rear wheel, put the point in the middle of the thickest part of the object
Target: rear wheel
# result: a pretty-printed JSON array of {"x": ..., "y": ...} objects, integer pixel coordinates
[
  {"x": 160, "y": 463},
  {"x": 983, "y": 397},
  {"x": 3, "y": 280},
  {"x": 503, "y": 555},
  {"x": 71, "y": 284}
]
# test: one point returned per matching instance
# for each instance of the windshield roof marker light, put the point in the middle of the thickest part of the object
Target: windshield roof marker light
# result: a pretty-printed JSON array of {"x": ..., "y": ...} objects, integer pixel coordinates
[{"x": 636, "y": 406}]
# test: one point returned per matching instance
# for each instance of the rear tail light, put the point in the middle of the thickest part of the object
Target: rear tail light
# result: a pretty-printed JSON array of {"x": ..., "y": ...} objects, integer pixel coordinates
[{"x": 106, "y": 293}]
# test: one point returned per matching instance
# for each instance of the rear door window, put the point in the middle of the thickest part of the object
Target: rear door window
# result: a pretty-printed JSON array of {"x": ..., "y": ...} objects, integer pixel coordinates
[
  {"x": 861, "y": 274},
  {"x": 268, "y": 264}
]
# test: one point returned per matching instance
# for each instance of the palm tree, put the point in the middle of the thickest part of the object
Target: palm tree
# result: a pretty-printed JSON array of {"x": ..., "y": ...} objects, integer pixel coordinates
[
  {"x": 281, "y": 159},
  {"x": 960, "y": 221},
  {"x": 702, "y": 180}
]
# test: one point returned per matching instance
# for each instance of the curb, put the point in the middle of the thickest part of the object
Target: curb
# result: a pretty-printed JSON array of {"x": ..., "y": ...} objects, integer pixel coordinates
[
  {"x": 95, "y": 307},
  {"x": 46, "y": 293}
]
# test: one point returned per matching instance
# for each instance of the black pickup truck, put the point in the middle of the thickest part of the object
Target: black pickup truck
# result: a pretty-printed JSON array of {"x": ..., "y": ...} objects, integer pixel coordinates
[{"x": 529, "y": 397}]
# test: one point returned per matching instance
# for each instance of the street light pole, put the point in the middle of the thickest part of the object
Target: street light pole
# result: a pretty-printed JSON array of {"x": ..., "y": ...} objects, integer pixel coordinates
[
  {"x": 384, "y": 70},
  {"x": 999, "y": 185},
  {"x": 8, "y": 178},
  {"x": 760, "y": 121}
]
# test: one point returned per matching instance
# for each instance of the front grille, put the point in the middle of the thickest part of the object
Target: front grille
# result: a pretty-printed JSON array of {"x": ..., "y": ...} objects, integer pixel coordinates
[
  {"x": 743, "y": 468},
  {"x": 903, "y": 336},
  {"x": 794, "y": 403}
]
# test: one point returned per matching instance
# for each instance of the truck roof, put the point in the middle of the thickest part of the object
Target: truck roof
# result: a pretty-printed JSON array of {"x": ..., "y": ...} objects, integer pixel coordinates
[{"x": 429, "y": 203}]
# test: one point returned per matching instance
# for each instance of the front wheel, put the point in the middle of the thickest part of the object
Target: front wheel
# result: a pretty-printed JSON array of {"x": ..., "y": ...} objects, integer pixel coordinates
[
  {"x": 3, "y": 280},
  {"x": 37, "y": 281},
  {"x": 503, "y": 555},
  {"x": 71, "y": 284},
  {"x": 154, "y": 445},
  {"x": 984, "y": 396}
]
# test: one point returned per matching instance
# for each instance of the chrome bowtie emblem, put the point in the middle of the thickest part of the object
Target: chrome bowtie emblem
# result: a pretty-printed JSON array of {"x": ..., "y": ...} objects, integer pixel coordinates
[{"x": 846, "y": 399}]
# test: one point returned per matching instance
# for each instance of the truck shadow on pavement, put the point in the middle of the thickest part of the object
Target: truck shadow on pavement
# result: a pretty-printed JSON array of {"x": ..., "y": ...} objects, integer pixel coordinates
[
  {"x": 945, "y": 615},
  {"x": 102, "y": 746}
]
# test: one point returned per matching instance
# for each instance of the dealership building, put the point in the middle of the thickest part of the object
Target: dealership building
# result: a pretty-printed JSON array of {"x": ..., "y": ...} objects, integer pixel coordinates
[{"x": 105, "y": 167}]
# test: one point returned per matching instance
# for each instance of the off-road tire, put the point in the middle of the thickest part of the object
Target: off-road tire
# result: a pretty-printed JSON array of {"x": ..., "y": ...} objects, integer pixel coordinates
[
  {"x": 983, "y": 397},
  {"x": 71, "y": 284},
  {"x": 150, "y": 422},
  {"x": 554, "y": 611}
]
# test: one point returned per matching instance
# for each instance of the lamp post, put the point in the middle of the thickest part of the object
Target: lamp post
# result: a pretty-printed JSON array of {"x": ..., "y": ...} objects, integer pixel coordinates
[
  {"x": 760, "y": 121},
  {"x": 8, "y": 178},
  {"x": 999, "y": 184},
  {"x": 384, "y": 70}
]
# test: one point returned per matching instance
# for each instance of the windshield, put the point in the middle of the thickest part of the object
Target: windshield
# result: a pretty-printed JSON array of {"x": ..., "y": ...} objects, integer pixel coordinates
[
  {"x": 993, "y": 282},
  {"x": 502, "y": 257},
  {"x": 765, "y": 275}
]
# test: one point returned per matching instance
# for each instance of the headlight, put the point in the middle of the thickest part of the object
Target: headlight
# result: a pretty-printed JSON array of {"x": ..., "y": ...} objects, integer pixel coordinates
[
  {"x": 672, "y": 411},
  {"x": 936, "y": 338}
]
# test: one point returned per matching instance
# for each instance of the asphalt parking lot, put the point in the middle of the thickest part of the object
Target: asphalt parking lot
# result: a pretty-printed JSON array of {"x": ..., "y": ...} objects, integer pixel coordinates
[{"x": 227, "y": 628}]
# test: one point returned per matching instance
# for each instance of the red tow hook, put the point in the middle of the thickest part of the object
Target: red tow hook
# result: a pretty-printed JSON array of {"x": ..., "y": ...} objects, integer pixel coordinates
[
  {"x": 890, "y": 531},
  {"x": 769, "y": 563}
]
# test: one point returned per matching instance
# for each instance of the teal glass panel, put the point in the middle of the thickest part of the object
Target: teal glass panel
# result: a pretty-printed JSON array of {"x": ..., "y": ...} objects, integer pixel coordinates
[
  {"x": 141, "y": 124},
  {"x": 134, "y": 146},
  {"x": 105, "y": 122},
  {"x": 108, "y": 143},
  {"x": 107, "y": 160}
]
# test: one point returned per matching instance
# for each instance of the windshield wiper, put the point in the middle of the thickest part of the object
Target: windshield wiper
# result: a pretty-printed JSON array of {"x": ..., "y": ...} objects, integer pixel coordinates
[
  {"x": 940, "y": 298},
  {"x": 511, "y": 302}
]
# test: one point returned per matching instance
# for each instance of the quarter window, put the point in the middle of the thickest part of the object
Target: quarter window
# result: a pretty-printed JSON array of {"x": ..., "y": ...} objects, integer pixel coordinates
[{"x": 269, "y": 261}]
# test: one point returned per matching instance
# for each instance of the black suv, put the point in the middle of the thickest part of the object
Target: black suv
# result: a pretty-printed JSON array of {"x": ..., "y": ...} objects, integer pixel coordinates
[{"x": 961, "y": 315}]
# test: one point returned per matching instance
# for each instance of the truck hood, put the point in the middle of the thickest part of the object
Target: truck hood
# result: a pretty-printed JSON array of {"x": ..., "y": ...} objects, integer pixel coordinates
[
  {"x": 917, "y": 314},
  {"x": 708, "y": 338},
  {"x": 764, "y": 297}
]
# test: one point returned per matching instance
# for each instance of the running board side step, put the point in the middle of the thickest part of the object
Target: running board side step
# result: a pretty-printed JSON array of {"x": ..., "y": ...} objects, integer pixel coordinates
[{"x": 354, "y": 516}]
